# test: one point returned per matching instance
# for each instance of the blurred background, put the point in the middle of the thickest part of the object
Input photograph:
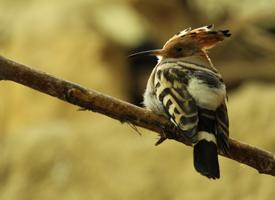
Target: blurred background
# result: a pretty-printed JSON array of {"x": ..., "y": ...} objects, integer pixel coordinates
[{"x": 50, "y": 150}]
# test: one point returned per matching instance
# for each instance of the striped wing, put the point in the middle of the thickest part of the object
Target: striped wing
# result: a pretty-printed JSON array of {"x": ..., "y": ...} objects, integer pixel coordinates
[
  {"x": 222, "y": 128},
  {"x": 178, "y": 104}
]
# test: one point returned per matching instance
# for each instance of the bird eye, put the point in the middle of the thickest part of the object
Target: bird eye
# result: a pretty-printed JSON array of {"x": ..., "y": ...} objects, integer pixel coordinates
[{"x": 179, "y": 49}]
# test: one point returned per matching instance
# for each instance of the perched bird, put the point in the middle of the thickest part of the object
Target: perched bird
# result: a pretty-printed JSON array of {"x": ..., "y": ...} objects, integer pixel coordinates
[{"x": 186, "y": 88}]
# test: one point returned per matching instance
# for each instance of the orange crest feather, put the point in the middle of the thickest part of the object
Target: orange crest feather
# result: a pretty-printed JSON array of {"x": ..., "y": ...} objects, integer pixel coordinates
[{"x": 203, "y": 38}]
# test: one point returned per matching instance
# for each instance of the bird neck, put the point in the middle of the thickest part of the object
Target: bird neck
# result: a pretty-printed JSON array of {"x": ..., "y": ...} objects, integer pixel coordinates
[{"x": 197, "y": 59}]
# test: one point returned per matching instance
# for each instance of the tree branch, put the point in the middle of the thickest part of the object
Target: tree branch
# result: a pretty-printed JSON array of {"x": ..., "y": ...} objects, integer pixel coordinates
[{"x": 72, "y": 93}]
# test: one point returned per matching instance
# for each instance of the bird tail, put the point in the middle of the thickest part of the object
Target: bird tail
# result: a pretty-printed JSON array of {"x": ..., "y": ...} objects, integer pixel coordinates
[{"x": 206, "y": 155}]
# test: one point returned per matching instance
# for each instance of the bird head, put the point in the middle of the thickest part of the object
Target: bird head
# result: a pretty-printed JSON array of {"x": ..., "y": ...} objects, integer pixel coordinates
[{"x": 189, "y": 43}]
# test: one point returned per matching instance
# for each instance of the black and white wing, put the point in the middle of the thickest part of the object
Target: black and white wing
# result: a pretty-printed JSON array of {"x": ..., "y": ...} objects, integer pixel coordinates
[{"x": 179, "y": 105}]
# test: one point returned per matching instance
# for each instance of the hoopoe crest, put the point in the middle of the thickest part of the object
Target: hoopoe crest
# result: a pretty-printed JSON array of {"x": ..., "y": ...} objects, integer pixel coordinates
[{"x": 190, "y": 43}]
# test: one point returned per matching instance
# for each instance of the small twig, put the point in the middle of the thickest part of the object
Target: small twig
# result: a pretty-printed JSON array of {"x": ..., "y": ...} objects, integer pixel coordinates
[
  {"x": 72, "y": 93},
  {"x": 134, "y": 128}
]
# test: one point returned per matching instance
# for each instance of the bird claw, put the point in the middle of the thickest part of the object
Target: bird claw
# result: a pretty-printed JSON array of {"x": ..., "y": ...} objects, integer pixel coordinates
[{"x": 161, "y": 140}]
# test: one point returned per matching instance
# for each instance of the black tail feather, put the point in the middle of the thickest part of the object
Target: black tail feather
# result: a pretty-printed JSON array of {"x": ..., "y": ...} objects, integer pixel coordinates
[{"x": 206, "y": 159}]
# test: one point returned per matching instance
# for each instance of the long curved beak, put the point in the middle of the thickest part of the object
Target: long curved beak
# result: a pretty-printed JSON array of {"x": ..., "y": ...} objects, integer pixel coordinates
[{"x": 154, "y": 52}]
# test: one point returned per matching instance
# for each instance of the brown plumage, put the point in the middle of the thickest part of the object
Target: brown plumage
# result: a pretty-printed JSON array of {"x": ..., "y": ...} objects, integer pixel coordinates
[
  {"x": 190, "y": 42},
  {"x": 193, "y": 42}
]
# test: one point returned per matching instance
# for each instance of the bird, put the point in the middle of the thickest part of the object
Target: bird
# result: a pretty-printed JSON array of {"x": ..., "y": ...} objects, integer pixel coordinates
[{"x": 188, "y": 90}]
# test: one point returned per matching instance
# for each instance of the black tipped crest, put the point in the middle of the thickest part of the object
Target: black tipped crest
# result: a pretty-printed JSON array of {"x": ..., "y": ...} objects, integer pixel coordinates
[{"x": 189, "y": 42}]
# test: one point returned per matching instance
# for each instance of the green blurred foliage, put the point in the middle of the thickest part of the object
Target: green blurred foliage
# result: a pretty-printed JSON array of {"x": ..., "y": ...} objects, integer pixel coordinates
[{"x": 49, "y": 150}]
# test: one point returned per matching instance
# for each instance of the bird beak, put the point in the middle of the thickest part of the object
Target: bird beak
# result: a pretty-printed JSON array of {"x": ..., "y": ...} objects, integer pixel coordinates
[{"x": 156, "y": 52}]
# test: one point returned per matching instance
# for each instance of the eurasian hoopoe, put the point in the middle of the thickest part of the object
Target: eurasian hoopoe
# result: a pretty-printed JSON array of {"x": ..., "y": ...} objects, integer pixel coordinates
[{"x": 186, "y": 88}]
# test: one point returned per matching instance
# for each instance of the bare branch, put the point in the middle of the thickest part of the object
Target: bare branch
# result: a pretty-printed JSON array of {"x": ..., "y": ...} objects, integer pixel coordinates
[{"x": 72, "y": 93}]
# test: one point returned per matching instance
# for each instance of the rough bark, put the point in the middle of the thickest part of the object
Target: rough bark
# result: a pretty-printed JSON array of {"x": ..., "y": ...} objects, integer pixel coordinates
[{"x": 85, "y": 98}]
